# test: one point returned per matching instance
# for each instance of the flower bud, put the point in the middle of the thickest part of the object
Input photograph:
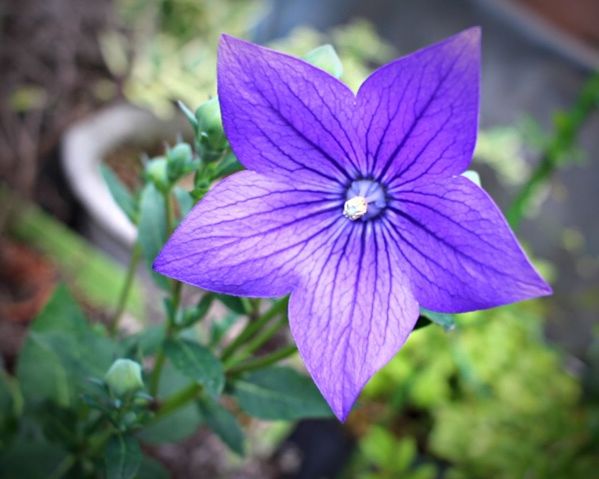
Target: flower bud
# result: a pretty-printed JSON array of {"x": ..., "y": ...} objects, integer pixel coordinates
[
  {"x": 325, "y": 57},
  {"x": 179, "y": 161},
  {"x": 124, "y": 376},
  {"x": 210, "y": 126},
  {"x": 157, "y": 172}
]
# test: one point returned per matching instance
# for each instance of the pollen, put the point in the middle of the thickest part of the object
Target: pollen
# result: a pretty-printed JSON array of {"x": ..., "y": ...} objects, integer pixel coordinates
[{"x": 355, "y": 208}]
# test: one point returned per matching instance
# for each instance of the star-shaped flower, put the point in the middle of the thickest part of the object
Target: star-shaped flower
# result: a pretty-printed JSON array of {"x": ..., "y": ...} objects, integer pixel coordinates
[{"x": 354, "y": 204}]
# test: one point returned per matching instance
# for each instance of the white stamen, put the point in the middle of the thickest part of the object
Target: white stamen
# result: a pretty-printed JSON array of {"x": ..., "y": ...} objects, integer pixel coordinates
[{"x": 355, "y": 208}]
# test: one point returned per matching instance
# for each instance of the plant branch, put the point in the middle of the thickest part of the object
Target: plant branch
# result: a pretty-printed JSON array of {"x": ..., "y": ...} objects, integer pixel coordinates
[
  {"x": 124, "y": 296},
  {"x": 252, "y": 327}
]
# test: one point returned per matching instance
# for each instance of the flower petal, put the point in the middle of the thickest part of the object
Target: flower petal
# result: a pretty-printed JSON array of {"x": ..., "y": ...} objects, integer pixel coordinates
[
  {"x": 350, "y": 313},
  {"x": 418, "y": 115},
  {"x": 458, "y": 249},
  {"x": 248, "y": 233},
  {"x": 285, "y": 116}
]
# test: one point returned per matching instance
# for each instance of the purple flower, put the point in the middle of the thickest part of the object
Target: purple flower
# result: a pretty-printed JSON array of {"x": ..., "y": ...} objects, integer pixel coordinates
[{"x": 354, "y": 204}]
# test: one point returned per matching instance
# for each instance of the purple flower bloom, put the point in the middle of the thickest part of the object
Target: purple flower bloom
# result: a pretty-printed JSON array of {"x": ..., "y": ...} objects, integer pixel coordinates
[{"x": 354, "y": 204}]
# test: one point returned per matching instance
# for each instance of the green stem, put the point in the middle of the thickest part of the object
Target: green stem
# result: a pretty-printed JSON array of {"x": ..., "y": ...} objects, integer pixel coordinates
[
  {"x": 171, "y": 327},
  {"x": 566, "y": 132},
  {"x": 176, "y": 401},
  {"x": 260, "y": 339},
  {"x": 129, "y": 280},
  {"x": 263, "y": 361},
  {"x": 170, "y": 330},
  {"x": 254, "y": 326}
]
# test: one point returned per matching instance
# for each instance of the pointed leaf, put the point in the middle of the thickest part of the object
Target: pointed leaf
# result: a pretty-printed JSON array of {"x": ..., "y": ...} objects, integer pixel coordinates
[
  {"x": 122, "y": 457},
  {"x": 120, "y": 193},
  {"x": 152, "y": 230},
  {"x": 279, "y": 393},
  {"x": 223, "y": 423},
  {"x": 197, "y": 363}
]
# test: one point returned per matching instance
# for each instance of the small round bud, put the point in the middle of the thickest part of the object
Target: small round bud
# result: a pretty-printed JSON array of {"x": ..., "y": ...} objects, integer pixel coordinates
[
  {"x": 180, "y": 153},
  {"x": 180, "y": 161},
  {"x": 210, "y": 125},
  {"x": 157, "y": 172},
  {"x": 325, "y": 57},
  {"x": 124, "y": 376}
]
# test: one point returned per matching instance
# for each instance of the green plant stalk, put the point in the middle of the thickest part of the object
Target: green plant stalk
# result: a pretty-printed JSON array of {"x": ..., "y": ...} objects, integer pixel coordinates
[
  {"x": 189, "y": 393},
  {"x": 176, "y": 401},
  {"x": 253, "y": 327},
  {"x": 176, "y": 302},
  {"x": 124, "y": 296},
  {"x": 566, "y": 133},
  {"x": 259, "y": 340},
  {"x": 263, "y": 361}
]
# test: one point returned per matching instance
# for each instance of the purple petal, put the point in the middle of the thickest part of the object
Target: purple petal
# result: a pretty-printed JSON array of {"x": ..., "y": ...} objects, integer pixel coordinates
[
  {"x": 351, "y": 312},
  {"x": 248, "y": 236},
  {"x": 285, "y": 116},
  {"x": 458, "y": 249},
  {"x": 418, "y": 115}
]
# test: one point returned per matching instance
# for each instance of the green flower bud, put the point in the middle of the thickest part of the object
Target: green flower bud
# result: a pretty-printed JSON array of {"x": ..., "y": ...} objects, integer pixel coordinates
[
  {"x": 157, "y": 172},
  {"x": 325, "y": 57},
  {"x": 124, "y": 376},
  {"x": 210, "y": 126},
  {"x": 180, "y": 161}
]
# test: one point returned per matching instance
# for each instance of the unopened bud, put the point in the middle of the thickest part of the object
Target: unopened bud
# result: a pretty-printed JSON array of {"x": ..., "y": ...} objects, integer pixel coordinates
[
  {"x": 210, "y": 126},
  {"x": 157, "y": 172},
  {"x": 124, "y": 376},
  {"x": 180, "y": 161},
  {"x": 325, "y": 57}
]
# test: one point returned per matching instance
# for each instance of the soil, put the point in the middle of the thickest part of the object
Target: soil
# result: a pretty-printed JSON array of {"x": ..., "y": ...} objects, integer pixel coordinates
[{"x": 27, "y": 280}]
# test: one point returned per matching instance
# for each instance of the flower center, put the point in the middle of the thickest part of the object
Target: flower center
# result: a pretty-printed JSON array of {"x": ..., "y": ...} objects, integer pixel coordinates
[{"x": 364, "y": 199}]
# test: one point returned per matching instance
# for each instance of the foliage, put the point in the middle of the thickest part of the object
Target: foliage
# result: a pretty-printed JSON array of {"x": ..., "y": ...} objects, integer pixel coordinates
[{"x": 496, "y": 397}]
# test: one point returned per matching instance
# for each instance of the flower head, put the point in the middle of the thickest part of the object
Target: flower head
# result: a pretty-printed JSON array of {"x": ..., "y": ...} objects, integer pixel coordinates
[{"x": 354, "y": 204}]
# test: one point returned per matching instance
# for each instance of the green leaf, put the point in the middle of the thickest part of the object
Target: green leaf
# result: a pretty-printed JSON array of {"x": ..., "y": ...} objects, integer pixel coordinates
[
  {"x": 223, "y": 423},
  {"x": 197, "y": 363},
  {"x": 120, "y": 193},
  {"x": 193, "y": 315},
  {"x": 279, "y": 393},
  {"x": 191, "y": 118},
  {"x": 234, "y": 303},
  {"x": 152, "y": 230},
  {"x": 218, "y": 328},
  {"x": 180, "y": 424},
  {"x": 184, "y": 200},
  {"x": 61, "y": 352},
  {"x": 151, "y": 469},
  {"x": 30, "y": 459},
  {"x": 122, "y": 457},
  {"x": 447, "y": 321}
]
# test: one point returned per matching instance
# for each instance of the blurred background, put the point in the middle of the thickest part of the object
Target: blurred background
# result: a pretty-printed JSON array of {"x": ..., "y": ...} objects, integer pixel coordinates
[{"x": 510, "y": 393}]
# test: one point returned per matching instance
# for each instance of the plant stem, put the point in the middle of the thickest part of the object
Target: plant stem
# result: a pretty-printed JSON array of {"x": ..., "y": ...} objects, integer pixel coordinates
[
  {"x": 263, "y": 361},
  {"x": 170, "y": 329},
  {"x": 254, "y": 326},
  {"x": 567, "y": 129},
  {"x": 176, "y": 290},
  {"x": 176, "y": 401},
  {"x": 129, "y": 280},
  {"x": 261, "y": 338}
]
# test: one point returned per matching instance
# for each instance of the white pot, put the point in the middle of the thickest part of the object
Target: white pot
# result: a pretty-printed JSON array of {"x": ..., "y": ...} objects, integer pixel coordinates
[{"x": 84, "y": 146}]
